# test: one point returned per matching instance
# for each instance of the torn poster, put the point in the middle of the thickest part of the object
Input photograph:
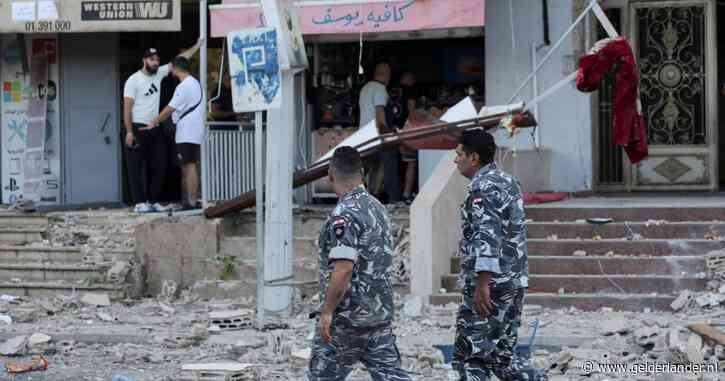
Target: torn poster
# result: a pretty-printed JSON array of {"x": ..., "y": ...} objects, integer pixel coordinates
[{"x": 254, "y": 69}]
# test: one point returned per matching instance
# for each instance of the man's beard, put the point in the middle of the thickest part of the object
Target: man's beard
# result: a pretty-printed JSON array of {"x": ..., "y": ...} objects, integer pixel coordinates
[{"x": 151, "y": 70}]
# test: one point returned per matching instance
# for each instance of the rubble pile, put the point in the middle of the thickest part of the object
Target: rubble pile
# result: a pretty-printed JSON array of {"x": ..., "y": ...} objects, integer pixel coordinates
[
  {"x": 154, "y": 339},
  {"x": 69, "y": 229},
  {"x": 401, "y": 259}
]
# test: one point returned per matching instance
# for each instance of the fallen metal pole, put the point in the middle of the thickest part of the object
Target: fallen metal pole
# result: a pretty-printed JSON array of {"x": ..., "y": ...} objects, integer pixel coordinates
[{"x": 319, "y": 170}]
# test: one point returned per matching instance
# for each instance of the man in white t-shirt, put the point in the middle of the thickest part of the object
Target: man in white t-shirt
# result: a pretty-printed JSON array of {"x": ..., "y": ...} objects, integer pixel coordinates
[
  {"x": 373, "y": 98},
  {"x": 146, "y": 149},
  {"x": 187, "y": 111}
]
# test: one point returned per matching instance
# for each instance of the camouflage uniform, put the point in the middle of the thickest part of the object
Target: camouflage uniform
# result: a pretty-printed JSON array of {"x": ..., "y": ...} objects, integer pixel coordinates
[
  {"x": 358, "y": 229},
  {"x": 494, "y": 240}
]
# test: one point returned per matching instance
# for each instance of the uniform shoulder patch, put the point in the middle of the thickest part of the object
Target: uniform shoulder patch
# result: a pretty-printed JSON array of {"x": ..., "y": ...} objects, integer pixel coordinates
[
  {"x": 339, "y": 224},
  {"x": 477, "y": 200}
]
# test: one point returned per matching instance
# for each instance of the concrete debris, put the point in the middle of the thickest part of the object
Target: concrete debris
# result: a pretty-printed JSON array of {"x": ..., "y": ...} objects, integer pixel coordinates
[
  {"x": 92, "y": 257},
  {"x": 694, "y": 349},
  {"x": 94, "y": 299},
  {"x": 118, "y": 272},
  {"x": 16, "y": 346},
  {"x": 432, "y": 358},
  {"x": 6, "y": 319},
  {"x": 231, "y": 320},
  {"x": 412, "y": 306},
  {"x": 561, "y": 363},
  {"x": 26, "y": 314},
  {"x": 715, "y": 261},
  {"x": 401, "y": 259},
  {"x": 221, "y": 371},
  {"x": 682, "y": 300},
  {"x": 38, "y": 339},
  {"x": 9, "y": 298},
  {"x": 169, "y": 290},
  {"x": 614, "y": 326},
  {"x": 709, "y": 300},
  {"x": 646, "y": 335},
  {"x": 303, "y": 355},
  {"x": 167, "y": 309},
  {"x": 104, "y": 317}
]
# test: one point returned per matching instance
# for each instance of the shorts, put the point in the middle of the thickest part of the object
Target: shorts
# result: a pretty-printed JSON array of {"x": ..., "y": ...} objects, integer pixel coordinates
[
  {"x": 189, "y": 153},
  {"x": 408, "y": 155}
]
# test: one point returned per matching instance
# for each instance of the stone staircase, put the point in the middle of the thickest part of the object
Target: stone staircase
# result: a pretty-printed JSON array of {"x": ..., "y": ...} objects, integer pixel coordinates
[
  {"x": 238, "y": 240},
  {"x": 30, "y": 267},
  {"x": 641, "y": 263}
]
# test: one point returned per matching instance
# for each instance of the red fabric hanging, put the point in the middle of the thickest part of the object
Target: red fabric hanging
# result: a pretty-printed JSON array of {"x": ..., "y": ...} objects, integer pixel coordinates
[{"x": 630, "y": 130}]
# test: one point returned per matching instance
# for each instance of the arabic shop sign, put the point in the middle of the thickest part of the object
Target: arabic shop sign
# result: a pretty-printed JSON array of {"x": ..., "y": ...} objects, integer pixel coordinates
[
  {"x": 42, "y": 16},
  {"x": 391, "y": 16},
  {"x": 393, "y": 13}
]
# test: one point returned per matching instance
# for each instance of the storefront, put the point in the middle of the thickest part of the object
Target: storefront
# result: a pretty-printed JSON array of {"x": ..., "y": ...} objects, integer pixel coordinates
[
  {"x": 72, "y": 49},
  {"x": 440, "y": 42}
]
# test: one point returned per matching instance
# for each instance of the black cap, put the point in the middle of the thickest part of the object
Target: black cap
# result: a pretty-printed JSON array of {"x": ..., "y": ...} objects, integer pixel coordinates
[{"x": 150, "y": 52}]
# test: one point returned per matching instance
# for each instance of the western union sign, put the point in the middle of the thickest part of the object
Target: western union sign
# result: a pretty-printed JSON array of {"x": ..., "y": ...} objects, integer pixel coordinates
[{"x": 126, "y": 10}]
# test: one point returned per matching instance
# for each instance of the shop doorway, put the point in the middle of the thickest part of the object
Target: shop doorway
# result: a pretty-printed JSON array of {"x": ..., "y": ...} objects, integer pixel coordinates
[
  {"x": 169, "y": 44},
  {"x": 91, "y": 118}
]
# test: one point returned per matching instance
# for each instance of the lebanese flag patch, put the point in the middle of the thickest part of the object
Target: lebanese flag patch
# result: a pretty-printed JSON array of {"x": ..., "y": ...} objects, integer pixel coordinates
[{"x": 339, "y": 227}]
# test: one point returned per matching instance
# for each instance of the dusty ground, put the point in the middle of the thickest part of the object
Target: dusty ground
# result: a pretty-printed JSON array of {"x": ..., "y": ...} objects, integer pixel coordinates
[{"x": 152, "y": 339}]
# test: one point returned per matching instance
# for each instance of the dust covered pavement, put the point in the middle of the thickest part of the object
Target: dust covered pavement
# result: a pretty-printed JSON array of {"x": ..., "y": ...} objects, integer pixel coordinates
[{"x": 88, "y": 338}]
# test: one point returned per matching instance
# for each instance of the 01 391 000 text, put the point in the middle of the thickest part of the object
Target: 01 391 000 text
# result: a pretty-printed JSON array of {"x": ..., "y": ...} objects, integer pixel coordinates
[{"x": 48, "y": 26}]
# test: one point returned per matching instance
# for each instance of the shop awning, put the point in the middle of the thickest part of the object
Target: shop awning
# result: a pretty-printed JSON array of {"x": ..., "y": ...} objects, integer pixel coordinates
[{"x": 356, "y": 16}]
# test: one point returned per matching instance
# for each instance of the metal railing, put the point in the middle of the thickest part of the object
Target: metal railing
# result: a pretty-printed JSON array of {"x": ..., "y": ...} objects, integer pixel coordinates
[{"x": 227, "y": 164}]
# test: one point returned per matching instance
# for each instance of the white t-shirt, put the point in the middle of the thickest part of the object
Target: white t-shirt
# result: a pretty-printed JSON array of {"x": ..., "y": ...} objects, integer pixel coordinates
[
  {"x": 145, "y": 90},
  {"x": 190, "y": 129},
  {"x": 372, "y": 94}
]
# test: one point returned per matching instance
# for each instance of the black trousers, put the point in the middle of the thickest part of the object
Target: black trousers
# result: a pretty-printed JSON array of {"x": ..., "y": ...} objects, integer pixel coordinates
[
  {"x": 146, "y": 164},
  {"x": 390, "y": 159}
]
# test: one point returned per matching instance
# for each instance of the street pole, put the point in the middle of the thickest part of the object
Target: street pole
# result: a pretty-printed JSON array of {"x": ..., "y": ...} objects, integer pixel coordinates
[
  {"x": 259, "y": 185},
  {"x": 278, "y": 214}
]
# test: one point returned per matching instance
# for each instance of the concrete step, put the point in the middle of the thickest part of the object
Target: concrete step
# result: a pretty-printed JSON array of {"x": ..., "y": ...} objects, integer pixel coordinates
[
  {"x": 23, "y": 220},
  {"x": 649, "y": 247},
  {"x": 597, "y": 265},
  {"x": 671, "y": 230},
  {"x": 306, "y": 224},
  {"x": 38, "y": 272},
  {"x": 585, "y": 302},
  {"x": 573, "y": 213},
  {"x": 21, "y": 236},
  {"x": 54, "y": 255},
  {"x": 48, "y": 289},
  {"x": 590, "y": 284},
  {"x": 246, "y": 247}
]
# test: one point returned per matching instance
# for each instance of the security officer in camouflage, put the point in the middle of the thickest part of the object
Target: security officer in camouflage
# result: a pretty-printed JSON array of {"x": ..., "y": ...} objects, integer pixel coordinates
[
  {"x": 356, "y": 254},
  {"x": 494, "y": 266}
]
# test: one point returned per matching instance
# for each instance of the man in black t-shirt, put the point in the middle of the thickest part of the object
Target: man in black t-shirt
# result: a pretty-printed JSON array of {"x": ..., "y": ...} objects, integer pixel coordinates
[{"x": 401, "y": 106}]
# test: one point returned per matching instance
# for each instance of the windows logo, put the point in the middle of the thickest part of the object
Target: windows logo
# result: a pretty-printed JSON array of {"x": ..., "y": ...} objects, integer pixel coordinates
[{"x": 12, "y": 92}]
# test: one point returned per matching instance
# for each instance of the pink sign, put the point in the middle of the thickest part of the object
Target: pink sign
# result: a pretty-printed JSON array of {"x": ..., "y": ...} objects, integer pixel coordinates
[{"x": 391, "y": 16}]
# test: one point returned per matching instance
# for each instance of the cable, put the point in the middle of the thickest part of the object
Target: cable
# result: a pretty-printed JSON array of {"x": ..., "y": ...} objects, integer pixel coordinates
[{"x": 219, "y": 80}]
